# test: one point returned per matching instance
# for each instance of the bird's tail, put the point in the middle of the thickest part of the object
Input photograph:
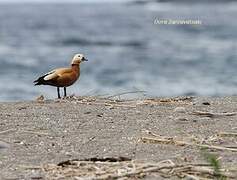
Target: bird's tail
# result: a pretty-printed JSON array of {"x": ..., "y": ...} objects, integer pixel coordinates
[
  {"x": 36, "y": 83},
  {"x": 39, "y": 81}
]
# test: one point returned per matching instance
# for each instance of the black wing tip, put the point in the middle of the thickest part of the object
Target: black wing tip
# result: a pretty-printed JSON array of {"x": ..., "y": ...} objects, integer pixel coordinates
[{"x": 38, "y": 81}]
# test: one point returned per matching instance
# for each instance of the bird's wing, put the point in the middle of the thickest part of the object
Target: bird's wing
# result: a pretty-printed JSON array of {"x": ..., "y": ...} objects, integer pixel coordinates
[
  {"x": 50, "y": 75},
  {"x": 56, "y": 73}
]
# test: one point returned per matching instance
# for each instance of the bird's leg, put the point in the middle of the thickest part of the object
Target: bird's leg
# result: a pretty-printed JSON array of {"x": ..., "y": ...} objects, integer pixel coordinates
[
  {"x": 58, "y": 90},
  {"x": 65, "y": 92}
]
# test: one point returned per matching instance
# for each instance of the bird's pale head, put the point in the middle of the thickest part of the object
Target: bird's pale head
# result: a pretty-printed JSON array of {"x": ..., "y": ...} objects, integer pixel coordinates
[{"x": 78, "y": 58}]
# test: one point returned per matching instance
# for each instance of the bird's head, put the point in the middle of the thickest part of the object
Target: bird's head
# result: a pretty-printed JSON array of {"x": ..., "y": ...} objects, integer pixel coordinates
[{"x": 78, "y": 58}]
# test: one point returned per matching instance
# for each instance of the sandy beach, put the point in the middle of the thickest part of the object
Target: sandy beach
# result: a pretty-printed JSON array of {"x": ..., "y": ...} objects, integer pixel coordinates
[{"x": 36, "y": 136}]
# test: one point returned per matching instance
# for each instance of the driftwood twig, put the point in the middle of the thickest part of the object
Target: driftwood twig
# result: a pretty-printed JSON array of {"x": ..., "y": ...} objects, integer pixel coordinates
[
  {"x": 227, "y": 134},
  {"x": 128, "y": 169},
  {"x": 7, "y": 131},
  {"x": 212, "y": 114},
  {"x": 183, "y": 143}
]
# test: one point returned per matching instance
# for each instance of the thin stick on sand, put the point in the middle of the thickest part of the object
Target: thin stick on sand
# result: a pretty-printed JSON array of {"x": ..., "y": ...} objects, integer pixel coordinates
[
  {"x": 125, "y": 93},
  {"x": 183, "y": 143},
  {"x": 227, "y": 134},
  {"x": 7, "y": 131},
  {"x": 34, "y": 132},
  {"x": 212, "y": 114},
  {"x": 108, "y": 170}
]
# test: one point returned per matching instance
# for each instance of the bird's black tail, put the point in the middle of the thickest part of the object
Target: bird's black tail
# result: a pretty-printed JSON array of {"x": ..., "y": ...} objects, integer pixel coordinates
[{"x": 39, "y": 81}]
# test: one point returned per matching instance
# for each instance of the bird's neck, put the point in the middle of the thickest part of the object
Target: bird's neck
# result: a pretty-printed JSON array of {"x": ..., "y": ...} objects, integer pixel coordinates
[{"x": 76, "y": 68}]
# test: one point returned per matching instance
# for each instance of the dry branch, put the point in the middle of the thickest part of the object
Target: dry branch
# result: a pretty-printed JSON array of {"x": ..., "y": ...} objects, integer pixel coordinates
[
  {"x": 183, "y": 143},
  {"x": 7, "y": 131},
  {"x": 125, "y": 93},
  {"x": 227, "y": 134},
  {"x": 212, "y": 114},
  {"x": 132, "y": 169},
  {"x": 34, "y": 132}
]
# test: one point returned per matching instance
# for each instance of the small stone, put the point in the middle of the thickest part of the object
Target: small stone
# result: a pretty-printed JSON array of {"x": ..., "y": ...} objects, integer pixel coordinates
[
  {"x": 41, "y": 143},
  {"x": 180, "y": 110},
  {"x": 40, "y": 98},
  {"x": 21, "y": 108},
  {"x": 100, "y": 115},
  {"x": 68, "y": 154},
  {"x": 68, "y": 143},
  {"x": 22, "y": 143},
  {"x": 138, "y": 112},
  {"x": 181, "y": 119},
  {"x": 206, "y": 103},
  {"x": 205, "y": 119},
  {"x": 19, "y": 142}
]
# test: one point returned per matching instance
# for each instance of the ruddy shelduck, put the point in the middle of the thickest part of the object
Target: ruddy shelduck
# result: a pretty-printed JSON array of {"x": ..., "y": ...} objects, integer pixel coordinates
[{"x": 63, "y": 77}]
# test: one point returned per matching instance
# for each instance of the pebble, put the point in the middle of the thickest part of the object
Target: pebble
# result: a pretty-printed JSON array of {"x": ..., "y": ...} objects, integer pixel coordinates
[
  {"x": 204, "y": 119},
  {"x": 181, "y": 119},
  {"x": 180, "y": 110},
  {"x": 100, "y": 115},
  {"x": 206, "y": 103},
  {"x": 88, "y": 112},
  {"x": 68, "y": 154},
  {"x": 138, "y": 112}
]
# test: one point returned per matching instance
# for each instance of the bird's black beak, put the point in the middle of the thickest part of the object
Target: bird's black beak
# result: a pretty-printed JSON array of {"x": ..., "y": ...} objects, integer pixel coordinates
[{"x": 84, "y": 59}]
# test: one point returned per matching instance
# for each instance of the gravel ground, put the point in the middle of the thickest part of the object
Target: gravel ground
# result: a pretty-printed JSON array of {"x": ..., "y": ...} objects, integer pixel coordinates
[{"x": 37, "y": 133}]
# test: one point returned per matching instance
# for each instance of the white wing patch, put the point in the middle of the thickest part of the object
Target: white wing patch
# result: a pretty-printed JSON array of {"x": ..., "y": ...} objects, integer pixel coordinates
[
  {"x": 50, "y": 75},
  {"x": 54, "y": 74}
]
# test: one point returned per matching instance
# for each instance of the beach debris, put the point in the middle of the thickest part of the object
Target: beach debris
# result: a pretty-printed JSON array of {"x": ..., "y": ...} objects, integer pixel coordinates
[
  {"x": 128, "y": 103},
  {"x": 40, "y": 98},
  {"x": 105, "y": 169},
  {"x": 213, "y": 114},
  {"x": 34, "y": 132},
  {"x": 95, "y": 159},
  {"x": 24, "y": 131},
  {"x": 22, "y": 108},
  {"x": 158, "y": 139},
  {"x": 156, "y": 101},
  {"x": 126, "y": 93},
  {"x": 227, "y": 134},
  {"x": 87, "y": 112},
  {"x": 19, "y": 142},
  {"x": 182, "y": 119},
  {"x": 206, "y": 103},
  {"x": 8, "y": 131},
  {"x": 100, "y": 115},
  {"x": 180, "y": 110}
]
